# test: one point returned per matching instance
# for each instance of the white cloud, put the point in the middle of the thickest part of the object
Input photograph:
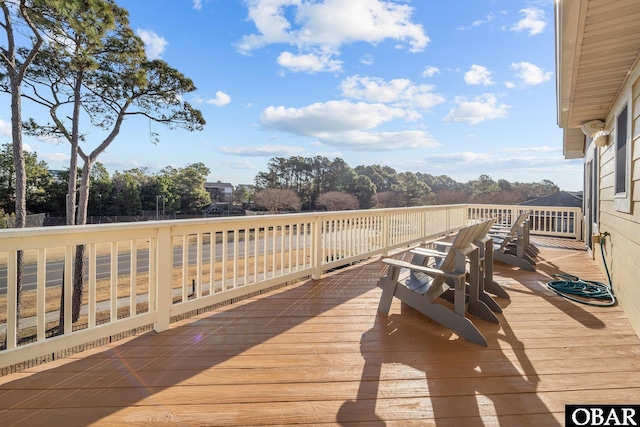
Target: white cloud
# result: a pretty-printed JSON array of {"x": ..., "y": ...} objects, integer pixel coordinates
[
  {"x": 473, "y": 164},
  {"x": 55, "y": 158},
  {"x": 5, "y": 128},
  {"x": 478, "y": 75},
  {"x": 50, "y": 139},
  {"x": 430, "y": 71},
  {"x": 197, "y": 4},
  {"x": 240, "y": 164},
  {"x": 531, "y": 74},
  {"x": 220, "y": 100},
  {"x": 543, "y": 149},
  {"x": 347, "y": 125},
  {"x": 153, "y": 43},
  {"x": 485, "y": 20},
  {"x": 534, "y": 21},
  {"x": 478, "y": 22},
  {"x": 327, "y": 25},
  {"x": 262, "y": 151},
  {"x": 397, "y": 92},
  {"x": 329, "y": 154},
  {"x": 367, "y": 59},
  {"x": 330, "y": 117},
  {"x": 481, "y": 108},
  {"x": 309, "y": 62},
  {"x": 379, "y": 141}
]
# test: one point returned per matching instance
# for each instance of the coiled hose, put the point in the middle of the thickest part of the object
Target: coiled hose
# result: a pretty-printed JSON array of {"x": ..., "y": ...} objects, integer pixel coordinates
[{"x": 585, "y": 291}]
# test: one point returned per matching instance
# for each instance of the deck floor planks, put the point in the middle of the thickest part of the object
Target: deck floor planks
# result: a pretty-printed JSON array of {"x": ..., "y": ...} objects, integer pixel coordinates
[{"x": 316, "y": 353}]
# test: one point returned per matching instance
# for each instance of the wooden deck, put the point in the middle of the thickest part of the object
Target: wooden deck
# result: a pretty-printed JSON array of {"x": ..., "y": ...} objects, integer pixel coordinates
[{"x": 317, "y": 353}]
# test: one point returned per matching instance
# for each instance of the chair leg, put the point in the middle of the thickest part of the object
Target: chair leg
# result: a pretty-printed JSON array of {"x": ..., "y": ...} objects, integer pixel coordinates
[
  {"x": 388, "y": 284},
  {"x": 489, "y": 285},
  {"x": 453, "y": 320},
  {"x": 513, "y": 260},
  {"x": 474, "y": 281}
]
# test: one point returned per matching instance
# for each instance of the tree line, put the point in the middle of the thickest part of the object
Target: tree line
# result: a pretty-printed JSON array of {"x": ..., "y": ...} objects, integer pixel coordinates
[
  {"x": 290, "y": 184},
  {"x": 127, "y": 193},
  {"x": 312, "y": 183}
]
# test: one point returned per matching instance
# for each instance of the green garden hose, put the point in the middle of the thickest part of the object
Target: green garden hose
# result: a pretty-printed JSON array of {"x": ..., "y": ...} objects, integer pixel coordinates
[{"x": 585, "y": 291}]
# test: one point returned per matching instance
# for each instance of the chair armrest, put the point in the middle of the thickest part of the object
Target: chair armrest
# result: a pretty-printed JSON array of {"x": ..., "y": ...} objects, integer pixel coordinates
[
  {"x": 422, "y": 269},
  {"x": 441, "y": 243},
  {"x": 428, "y": 252}
]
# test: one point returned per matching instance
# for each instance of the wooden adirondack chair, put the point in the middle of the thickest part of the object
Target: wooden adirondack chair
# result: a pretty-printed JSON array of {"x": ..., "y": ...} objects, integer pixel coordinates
[
  {"x": 419, "y": 286},
  {"x": 513, "y": 247},
  {"x": 523, "y": 222},
  {"x": 480, "y": 271}
]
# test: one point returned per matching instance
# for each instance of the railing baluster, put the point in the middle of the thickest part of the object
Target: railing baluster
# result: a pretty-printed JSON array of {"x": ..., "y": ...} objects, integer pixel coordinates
[
  {"x": 213, "y": 253},
  {"x": 225, "y": 244},
  {"x": 68, "y": 288},
  {"x": 12, "y": 299},
  {"x": 235, "y": 257},
  {"x": 153, "y": 274},
  {"x": 282, "y": 248},
  {"x": 185, "y": 267},
  {"x": 41, "y": 295},
  {"x": 114, "y": 284},
  {"x": 133, "y": 304},
  {"x": 199, "y": 255},
  {"x": 265, "y": 238},
  {"x": 247, "y": 235},
  {"x": 91, "y": 309}
]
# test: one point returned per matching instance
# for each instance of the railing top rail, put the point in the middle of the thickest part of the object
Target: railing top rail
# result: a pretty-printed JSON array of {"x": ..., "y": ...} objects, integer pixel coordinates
[
  {"x": 272, "y": 218},
  {"x": 525, "y": 207}
]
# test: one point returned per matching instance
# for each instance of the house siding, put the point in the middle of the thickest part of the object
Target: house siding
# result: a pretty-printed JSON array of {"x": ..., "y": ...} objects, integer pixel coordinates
[{"x": 622, "y": 247}]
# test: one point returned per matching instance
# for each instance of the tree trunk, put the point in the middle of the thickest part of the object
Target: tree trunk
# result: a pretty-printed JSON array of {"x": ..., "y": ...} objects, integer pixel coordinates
[
  {"x": 15, "y": 72},
  {"x": 79, "y": 265},
  {"x": 78, "y": 283},
  {"x": 20, "y": 183}
]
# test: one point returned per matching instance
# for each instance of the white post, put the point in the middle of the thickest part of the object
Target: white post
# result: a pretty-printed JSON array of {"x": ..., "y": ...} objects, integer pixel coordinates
[
  {"x": 164, "y": 267},
  {"x": 316, "y": 255},
  {"x": 385, "y": 234}
]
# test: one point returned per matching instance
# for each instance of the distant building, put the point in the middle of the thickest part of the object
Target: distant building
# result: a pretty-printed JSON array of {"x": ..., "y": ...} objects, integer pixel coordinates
[
  {"x": 220, "y": 192},
  {"x": 552, "y": 220},
  {"x": 560, "y": 198}
]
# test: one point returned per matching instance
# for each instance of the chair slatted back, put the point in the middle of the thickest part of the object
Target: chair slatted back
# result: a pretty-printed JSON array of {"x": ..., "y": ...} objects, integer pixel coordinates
[
  {"x": 513, "y": 231},
  {"x": 455, "y": 260}
]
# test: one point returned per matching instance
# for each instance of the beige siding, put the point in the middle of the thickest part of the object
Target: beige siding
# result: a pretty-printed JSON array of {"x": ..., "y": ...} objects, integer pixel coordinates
[{"x": 622, "y": 248}]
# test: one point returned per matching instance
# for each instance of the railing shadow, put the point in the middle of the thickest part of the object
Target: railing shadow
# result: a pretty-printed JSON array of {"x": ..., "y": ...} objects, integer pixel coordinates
[{"x": 146, "y": 370}]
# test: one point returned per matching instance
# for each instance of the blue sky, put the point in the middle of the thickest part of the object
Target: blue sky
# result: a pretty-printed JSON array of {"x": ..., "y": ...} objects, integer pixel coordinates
[{"x": 458, "y": 88}]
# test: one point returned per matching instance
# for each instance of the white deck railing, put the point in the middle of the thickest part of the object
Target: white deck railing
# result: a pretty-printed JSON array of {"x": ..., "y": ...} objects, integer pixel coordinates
[
  {"x": 553, "y": 221},
  {"x": 148, "y": 273}
]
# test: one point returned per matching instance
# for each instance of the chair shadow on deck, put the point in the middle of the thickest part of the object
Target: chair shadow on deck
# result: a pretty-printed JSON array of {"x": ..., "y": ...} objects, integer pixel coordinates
[
  {"x": 462, "y": 382},
  {"x": 545, "y": 271}
]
